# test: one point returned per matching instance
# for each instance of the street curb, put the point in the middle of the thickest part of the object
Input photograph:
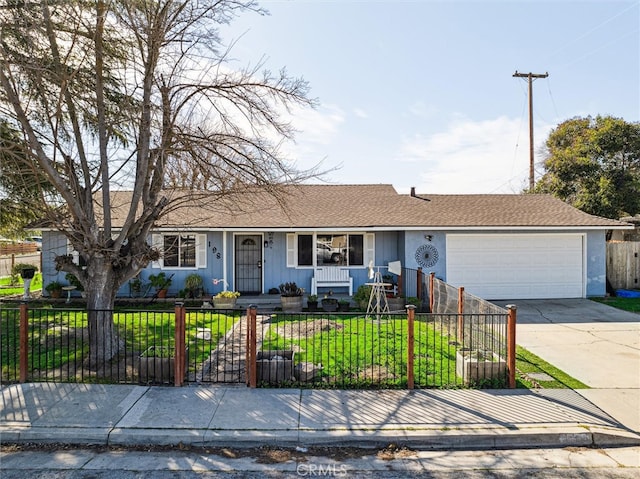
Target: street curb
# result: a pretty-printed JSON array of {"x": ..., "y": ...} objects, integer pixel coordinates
[{"x": 497, "y": 438}]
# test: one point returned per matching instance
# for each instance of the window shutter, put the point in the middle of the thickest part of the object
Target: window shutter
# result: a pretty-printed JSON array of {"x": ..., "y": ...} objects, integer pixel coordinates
[
  {"x": 201, "y": 251},
  {"x": 291, "y": 250},
  {"x": 369, "y": 249},
  {"x": 156, "y": 243}
]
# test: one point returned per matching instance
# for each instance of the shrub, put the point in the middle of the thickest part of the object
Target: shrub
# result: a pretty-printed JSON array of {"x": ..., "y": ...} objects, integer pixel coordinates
[
  {"x": 290, "y": 290},
  {"x": 16, "y": 271}
]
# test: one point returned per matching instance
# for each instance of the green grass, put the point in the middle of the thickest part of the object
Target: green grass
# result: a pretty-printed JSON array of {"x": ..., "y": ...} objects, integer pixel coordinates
[
  {"x": 527, "y": 363},
  {"x": 627, "y": 304},
  {"x": 361, "y": 352},
  {"x": 7, "y": 289},
  {"x": 58, "y": 337}
]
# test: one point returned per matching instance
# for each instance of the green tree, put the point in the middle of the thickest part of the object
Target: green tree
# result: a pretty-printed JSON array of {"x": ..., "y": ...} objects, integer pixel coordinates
[
  {"x": 118, "y": 93},
  {"x": 20, "y": 184},
  {"x": 594, "y": 164}
]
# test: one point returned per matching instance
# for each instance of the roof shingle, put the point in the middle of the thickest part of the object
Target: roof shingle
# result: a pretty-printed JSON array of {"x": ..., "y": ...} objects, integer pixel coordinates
[{"x": 369, "y": 206}]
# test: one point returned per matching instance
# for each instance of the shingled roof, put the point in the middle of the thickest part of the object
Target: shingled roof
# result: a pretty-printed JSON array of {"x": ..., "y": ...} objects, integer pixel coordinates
[{"x": 371, "y": 206}]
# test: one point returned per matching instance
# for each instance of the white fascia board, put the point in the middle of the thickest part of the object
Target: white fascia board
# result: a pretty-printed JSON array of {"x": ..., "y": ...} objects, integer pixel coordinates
[{"x": 397, "y": 228}]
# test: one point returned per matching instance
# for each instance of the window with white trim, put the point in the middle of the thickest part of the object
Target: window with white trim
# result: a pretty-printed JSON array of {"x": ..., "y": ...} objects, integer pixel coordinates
[
  {"x": 329, "y": 249},
  {"x": 181, "y": 250}
]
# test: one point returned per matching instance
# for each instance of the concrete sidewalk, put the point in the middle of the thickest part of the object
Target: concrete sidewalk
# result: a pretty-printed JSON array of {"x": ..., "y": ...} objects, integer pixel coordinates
[{"x": 237, "y": 416}]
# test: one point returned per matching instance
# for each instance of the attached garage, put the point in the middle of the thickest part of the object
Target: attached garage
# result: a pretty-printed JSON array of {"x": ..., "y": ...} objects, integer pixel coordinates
[{"x": 517, "y": 266}]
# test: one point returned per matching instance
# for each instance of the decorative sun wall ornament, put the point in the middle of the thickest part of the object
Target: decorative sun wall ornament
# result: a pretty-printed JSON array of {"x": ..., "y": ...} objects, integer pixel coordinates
[{"x": 426, "y": 255}]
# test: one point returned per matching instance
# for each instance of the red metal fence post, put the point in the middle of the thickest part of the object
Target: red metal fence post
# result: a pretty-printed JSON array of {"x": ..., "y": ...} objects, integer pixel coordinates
[
  {"x": 24, "y": 341},
  {"x": 511, "y": 345},
  {"x": 179, "y": 336},
  {"x": 460, "y": 314},
  {"x": 411, "y": 309}
]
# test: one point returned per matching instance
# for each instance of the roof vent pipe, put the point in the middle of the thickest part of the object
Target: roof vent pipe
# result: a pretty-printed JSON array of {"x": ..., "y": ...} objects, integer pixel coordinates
[{"x": 413, "y": 191}]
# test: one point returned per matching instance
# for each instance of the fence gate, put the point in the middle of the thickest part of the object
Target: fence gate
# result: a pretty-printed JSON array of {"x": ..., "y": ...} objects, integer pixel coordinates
[{"x": 217, "y": 350}]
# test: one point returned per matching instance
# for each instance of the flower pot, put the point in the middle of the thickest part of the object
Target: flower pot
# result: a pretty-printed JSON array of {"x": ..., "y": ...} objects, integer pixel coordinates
[
  {"x": 291, "y": 304},
  {"x": 329, "y": 305},
  {"x": 224, "y": 303},
  {"x": 28, "y": 273},
  {"x": 312, "y": 305},
  {"x": 477, "y": 365},
  {"x": 344, "y": 307},
  {"x": 162, "y": 293}
]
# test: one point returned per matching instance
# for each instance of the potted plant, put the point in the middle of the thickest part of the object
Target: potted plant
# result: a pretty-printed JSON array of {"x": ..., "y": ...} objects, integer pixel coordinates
[
  {"x": 54, "y": 288},
  {"x": 329, "y": 304},
  {"x": 312, "y": 302},
  {"x": 291, "y": 297},
  {"x": 161, "y": 283},
  {"x": 344, "y": 305},
  {"x": 193, "y": 286},
  {"x": 26, "y": 271},
  {"x": 225, "y": 299}
]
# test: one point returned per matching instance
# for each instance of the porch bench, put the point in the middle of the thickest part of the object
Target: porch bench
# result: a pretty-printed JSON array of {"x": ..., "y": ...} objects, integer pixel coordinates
[{"x": 331, "y": 277}]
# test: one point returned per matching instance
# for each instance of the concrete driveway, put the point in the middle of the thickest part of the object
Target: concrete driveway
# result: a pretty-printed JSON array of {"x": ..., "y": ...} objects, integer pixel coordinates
[{"x": 595, "y": 343}]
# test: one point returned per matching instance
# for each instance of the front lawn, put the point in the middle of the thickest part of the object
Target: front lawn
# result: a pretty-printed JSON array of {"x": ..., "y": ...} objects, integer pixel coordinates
[
  {"x": 58, "y": 338},
  {"x": 354, "y": 350}
]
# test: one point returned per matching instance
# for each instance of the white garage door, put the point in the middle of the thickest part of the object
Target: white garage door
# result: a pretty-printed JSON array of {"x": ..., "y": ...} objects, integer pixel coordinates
[{"x": 517, "y": 266}]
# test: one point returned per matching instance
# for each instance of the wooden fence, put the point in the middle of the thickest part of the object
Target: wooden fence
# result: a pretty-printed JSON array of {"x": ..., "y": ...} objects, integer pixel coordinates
[
  {"x": 623, "y": 264},
  {"x": 17, "y": 248}
]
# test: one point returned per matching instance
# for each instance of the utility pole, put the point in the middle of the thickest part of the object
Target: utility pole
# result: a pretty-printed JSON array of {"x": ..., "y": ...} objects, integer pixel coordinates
[{"x": 530, "y": 77}]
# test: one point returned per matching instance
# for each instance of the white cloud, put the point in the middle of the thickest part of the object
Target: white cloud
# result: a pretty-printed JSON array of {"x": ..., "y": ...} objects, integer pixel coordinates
[{"x": 316, "y": 130}]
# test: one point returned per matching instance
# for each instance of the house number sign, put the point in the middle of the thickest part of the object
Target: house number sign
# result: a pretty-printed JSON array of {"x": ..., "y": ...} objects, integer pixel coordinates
[{"x": 426, "y": 255}]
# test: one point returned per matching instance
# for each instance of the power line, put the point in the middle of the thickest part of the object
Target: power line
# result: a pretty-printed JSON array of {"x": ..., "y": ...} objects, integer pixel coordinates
[{"x": 530, "y": 77}]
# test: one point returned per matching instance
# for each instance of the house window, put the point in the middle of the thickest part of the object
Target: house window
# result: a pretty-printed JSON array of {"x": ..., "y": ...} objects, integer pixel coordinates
[
  {"x": 329, "y": 249},
  {"x": 305, "y": 250},
  {"x": 180, "y": 251}
]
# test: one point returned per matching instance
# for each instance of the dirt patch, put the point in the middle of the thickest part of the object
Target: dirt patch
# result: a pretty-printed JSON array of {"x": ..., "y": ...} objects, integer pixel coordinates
[
  {"x": 306, "y": 329},
  {"x": 376, "y": 374}
]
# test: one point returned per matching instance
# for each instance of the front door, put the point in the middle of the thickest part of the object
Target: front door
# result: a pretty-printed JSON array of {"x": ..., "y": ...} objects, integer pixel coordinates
[{"x": 248, "y": 264}]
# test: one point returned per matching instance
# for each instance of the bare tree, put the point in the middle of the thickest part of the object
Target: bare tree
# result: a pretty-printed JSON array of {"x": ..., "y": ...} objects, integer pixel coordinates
[{"x": 114, "y": 93}]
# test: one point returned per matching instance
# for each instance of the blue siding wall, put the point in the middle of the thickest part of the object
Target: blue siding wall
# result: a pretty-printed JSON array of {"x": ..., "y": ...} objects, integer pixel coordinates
[{"x": 389, "y": 246}]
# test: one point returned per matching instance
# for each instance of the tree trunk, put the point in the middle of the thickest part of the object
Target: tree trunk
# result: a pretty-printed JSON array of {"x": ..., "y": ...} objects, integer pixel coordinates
[{"x": 104, "y": 341}]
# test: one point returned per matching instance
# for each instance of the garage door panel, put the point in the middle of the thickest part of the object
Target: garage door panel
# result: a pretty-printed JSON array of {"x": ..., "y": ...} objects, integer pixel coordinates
[{"x": 512, "y": 266}]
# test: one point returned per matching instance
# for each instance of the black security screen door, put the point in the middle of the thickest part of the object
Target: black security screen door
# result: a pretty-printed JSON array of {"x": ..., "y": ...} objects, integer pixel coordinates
[{"x": 248, "y": 265}]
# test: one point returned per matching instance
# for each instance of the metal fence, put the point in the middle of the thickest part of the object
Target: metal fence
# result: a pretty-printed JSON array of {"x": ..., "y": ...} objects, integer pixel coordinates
[
  {"x": 52, "y": 344},
  {"x": 344, "y": 350},
  {"x": 356, "y": 351}
]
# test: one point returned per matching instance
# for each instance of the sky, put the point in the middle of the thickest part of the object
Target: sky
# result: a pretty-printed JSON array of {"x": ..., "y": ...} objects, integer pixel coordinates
[{"x": 421, "y": 93}]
